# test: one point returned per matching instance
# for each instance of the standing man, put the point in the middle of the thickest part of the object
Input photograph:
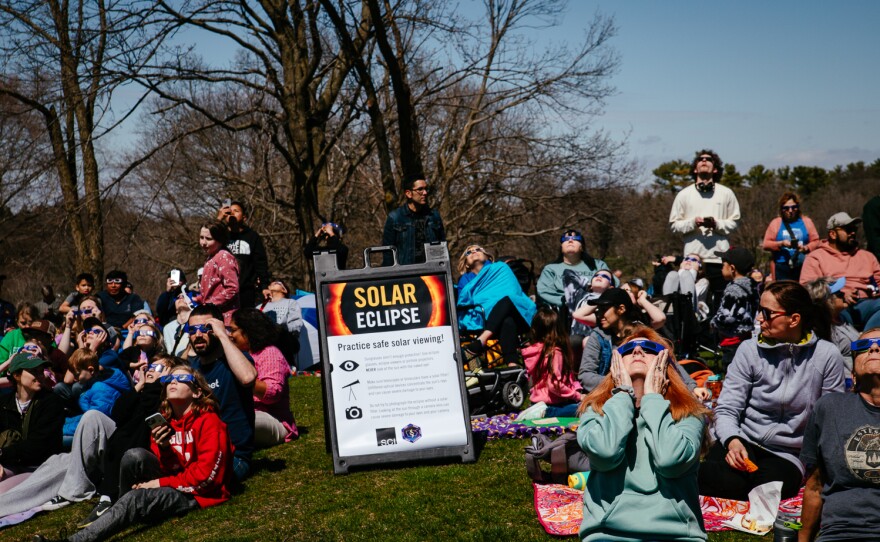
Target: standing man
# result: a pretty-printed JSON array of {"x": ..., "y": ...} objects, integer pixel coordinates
[
  {"x": 706, "y": 213},
  {"x": 247, "y": 246},
  {"x": 118, "y": 305},
  {"x": 231, "y": 375},
  {"x": 839, "y": 256},
  {"x": 413, "y": 224}
]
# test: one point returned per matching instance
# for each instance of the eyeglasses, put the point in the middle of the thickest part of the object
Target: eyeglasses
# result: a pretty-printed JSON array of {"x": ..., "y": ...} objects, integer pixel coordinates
[
  {"x": 180, "y": 377},
  {"x": 704, "y": 159},
  {"x": 862, "y": 345},
  {"x": 192, "y": 329},
  {"x": 156, "y": 367},
  {"x": 471, "y": 251},
  {"x": 114, "y": 281},
  {"x": 769, "y": 314},
  {"x": 144, "y": 333},
  {"x": 424, "y": 189},
  {"x": 790, "y": 207},
  {"x": 142, "y": 321},
  {"x": 648, "y": 346}
]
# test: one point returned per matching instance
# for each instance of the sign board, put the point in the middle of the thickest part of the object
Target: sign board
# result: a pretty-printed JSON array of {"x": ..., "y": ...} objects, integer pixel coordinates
[{"x": 393, "y": 382}]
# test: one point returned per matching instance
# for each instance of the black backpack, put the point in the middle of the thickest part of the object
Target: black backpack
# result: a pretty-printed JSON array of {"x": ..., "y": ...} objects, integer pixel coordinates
[{"x": 563, "y": 453}]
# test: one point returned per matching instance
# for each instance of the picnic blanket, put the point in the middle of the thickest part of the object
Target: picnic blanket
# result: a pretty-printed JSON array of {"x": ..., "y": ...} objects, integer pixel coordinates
[
  {"x": 560, "y": 509},
  {"x": 503, "y": 426}
]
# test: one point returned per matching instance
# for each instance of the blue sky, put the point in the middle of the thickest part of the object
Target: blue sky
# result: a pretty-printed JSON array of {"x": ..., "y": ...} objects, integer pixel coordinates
[{"x": 777, "y": 83}]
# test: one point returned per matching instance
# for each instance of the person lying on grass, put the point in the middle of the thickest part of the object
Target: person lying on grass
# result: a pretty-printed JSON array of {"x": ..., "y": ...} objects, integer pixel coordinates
[
  {"x": 643, "y": 432},
  {"x": 189, "y": 465}
]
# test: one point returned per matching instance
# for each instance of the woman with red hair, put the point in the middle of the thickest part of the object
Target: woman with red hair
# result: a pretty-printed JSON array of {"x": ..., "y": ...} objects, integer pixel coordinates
[{"x": 643, "y": 432}]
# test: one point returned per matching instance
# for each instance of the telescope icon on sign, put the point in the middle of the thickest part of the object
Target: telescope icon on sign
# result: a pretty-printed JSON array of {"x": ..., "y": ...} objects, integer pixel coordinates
[{"x": 351, "y": 395}]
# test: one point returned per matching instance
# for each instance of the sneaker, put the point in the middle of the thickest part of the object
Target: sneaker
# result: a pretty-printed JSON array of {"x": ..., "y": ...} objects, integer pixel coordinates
[
  {"x": 57, "y": 502},
  {"x": 96, "y": 512},
  {"x": 534, "y": 412}
]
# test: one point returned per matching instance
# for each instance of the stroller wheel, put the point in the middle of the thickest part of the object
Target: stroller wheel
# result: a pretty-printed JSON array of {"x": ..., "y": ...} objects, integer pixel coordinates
[{"x": 513, "y": 395}]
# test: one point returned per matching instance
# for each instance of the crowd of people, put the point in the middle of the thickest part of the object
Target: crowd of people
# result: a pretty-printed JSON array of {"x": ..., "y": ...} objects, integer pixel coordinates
[{"x": 157, "y": 409}]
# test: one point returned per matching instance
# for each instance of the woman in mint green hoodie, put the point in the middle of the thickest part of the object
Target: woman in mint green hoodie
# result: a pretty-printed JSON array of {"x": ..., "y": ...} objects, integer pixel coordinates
[{"x": 643, "y": 432}]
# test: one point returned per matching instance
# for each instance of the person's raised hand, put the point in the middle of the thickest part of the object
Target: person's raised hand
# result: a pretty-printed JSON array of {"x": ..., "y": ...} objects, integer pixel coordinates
[
  {"x": 618, "y": 372},
  {"x": 736, "y": 454},
  {"x": 94, "y": 340},
  {"x": 701, "y": 393},
  {"x": 218, "y": 328},
  {"x": 170, "y": 285},
  {"x": 656, "y": 380}
]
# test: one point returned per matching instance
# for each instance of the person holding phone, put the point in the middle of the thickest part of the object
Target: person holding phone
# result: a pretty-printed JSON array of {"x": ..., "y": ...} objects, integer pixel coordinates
[
  {"x": 706, "y": 213},
  {"x": 188, "y": 466}
]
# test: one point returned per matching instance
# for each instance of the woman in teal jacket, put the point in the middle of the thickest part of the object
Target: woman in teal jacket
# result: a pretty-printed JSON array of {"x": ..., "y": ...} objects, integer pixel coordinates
[{"x": 643, "y": 432}]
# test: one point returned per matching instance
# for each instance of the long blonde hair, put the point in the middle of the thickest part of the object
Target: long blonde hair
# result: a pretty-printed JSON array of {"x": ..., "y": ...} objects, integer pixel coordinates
[{"x": 462, "y": 260}]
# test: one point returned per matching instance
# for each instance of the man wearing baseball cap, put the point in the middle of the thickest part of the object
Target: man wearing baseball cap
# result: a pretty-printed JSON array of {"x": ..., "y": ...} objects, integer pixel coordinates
[{"x": 839, "y": 255}]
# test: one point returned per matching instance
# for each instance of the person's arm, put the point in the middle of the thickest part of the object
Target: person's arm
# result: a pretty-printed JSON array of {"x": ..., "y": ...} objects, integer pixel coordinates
[
  {"x": 811, "y": 270},
  {"x": 294, "y": 317},
  {"x": 679, "y": 222},
  {"x": 832, "y": 376},
  {"x": 207, "y": 471},
  {"x": 812, "y": 506},
  {"x": 674, "y": 446},
  {"x": 228, "y": 272},
  {"x": 65, "y": 343},
  {"x": 241, "y": 367},
  {"x": 271, "y": 376},
  {"x": 728, "y": 224},
  {"x": 770, "y": 242},
  {"x": 657, "y": 316},
  {"x": 588, "y": 372},
  {"x": 813, "y": 239},
  {"x": 564, "y": 387},
  {"x": 603, "y": 438},
  {"x": 734, "y": 396},
  {"x": 586, "y": 314},
  {"x": 546, "y": 287}
]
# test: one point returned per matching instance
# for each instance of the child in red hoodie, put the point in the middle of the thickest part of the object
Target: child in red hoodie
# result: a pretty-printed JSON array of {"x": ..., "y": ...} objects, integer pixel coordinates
[{"x": 190, "y": 465}]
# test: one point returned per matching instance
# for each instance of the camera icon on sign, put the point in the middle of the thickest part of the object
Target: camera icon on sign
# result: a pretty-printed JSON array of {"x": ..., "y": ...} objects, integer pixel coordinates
[{"x": 354, "y": 413}]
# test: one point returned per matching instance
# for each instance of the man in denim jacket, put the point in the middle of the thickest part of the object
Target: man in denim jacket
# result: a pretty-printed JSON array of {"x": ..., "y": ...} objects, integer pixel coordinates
[{"x": 412, "y": 225}]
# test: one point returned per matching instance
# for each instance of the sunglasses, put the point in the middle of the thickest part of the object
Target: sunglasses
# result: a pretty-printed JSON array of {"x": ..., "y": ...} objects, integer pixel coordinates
[
  {"x": 790, "y": 207},
  {"x": 471, "y": 251},
  {"x": 333, "y": 225},
  {"x": 114, "y": 281},
  {"x": 704, "y": 159},
  {"x": 94, "y": 331},
  {"x": 142, "y": 321},
  {"x": 156, "y": 367},
  {"x": 179, "y": 377},
  {"x": 144, "y": 333},
  {"x": 85, "y": 311},
  {"x": 566, "y": 238},
  {"x": 603, "y": 276},
  {"x": 192, "y": 329},
  {"x": 863, "y": 345},
  {"x": 648, "y": 346},
  {"x": 692, "y": 259},
  {"x": 769, "y": 314},
  {"x": 33, "y": 349}
]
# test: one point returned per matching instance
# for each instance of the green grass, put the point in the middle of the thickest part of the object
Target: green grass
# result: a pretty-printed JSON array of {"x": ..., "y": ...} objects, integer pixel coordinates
[{"x": 295, "y": 496}]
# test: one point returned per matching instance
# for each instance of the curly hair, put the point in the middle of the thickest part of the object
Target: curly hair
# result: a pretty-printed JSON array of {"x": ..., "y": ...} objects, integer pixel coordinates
[
  {"x": 205, "y": 402},
  {"x": 719, "y": 165},
  {"x": 259, "y": 329}
]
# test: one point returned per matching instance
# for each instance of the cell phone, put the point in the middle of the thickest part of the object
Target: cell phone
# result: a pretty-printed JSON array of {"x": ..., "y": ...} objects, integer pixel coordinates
[
  {"x": 709, "y": 222},
  {"x": 175, "y": 276},
  {"x": 226, "y": 203},
  {"x": 155, "y": 420}
]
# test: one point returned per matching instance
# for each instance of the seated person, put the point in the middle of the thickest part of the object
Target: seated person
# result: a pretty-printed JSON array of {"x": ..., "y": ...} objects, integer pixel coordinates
[
  {"x": 690, "y": 279},
  {"x": 840, "y": 452},
  {"x": 101, "y": 386},
  {"x": 142, "y": 343},
  {"x": 252, "y": 332},
  {"x": 828, "y": 292},
  {"x": 118, "y": 305},
  {"x": 768, "y": 395},
  {"x": 34, "y": 413},
  {"x": 84, "y": 285},
  {"x": 285, "y": 312},
  {"x": 26, "y": 314},
  {"x": 176, "y": 338},
  {"x": 584, "y": 315},
  {"x": 735, "y": 319},
  {"x": 554, "y": 389},
  {"x": 643, "y": 432},
  {"x": 495, "y": 304},
  {"x": 188, "y": 466}
]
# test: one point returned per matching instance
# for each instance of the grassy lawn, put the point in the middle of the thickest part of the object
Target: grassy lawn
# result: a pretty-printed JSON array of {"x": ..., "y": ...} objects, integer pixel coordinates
[{"x": 295, "y": 496}]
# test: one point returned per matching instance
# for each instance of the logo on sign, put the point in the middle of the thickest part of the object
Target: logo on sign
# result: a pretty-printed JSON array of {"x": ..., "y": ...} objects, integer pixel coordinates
[
  {"x": 386, "y": 436},
  {"x": 411, "y": 433}
]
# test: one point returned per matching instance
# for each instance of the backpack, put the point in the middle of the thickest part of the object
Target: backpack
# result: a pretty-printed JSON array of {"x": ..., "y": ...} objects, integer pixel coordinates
[
  {"x": 563, "y": 453},
  {"x": 697, "y": 370}
]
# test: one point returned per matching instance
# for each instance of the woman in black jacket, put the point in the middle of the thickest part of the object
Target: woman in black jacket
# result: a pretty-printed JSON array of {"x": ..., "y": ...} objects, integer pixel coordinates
[{"x": 31, "y": 419}]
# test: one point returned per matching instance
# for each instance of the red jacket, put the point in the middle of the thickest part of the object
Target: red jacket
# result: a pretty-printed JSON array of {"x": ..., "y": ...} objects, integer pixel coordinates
[
  {"x": 858, "y": 267},
  {"x": 199, "y": 460}
]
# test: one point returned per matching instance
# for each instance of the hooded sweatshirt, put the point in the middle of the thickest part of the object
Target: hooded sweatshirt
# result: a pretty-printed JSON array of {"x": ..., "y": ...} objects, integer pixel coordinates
[
  {"x": 860, "y": 267},
  {"x": 199, "y": 460},
  {"x": 770, "y": 390}
]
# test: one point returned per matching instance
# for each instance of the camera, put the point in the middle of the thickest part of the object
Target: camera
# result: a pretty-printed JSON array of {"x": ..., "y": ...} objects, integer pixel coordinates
[{"x": 354, "y": 413}]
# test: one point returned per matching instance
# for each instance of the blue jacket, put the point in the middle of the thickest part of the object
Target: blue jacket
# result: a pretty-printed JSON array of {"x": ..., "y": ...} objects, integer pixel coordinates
[
  {"x": 400, "y": 232},
  {"x": 770, "y": 390},
  {"x": 643, "y": 477},
  {"x": 101, "y": 396},
  {"x": 492, "y": 283}
]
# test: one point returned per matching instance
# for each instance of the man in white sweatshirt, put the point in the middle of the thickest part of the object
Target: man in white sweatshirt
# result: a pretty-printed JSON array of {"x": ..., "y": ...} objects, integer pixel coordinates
[{"x": 705, "y": 213}]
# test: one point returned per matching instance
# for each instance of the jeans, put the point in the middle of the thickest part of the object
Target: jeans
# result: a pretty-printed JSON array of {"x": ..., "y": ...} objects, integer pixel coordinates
[
  {"x": 561, "y": 411},
  {"x": 241, "y": 467},
  {"x": 863, "y": 315}
]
